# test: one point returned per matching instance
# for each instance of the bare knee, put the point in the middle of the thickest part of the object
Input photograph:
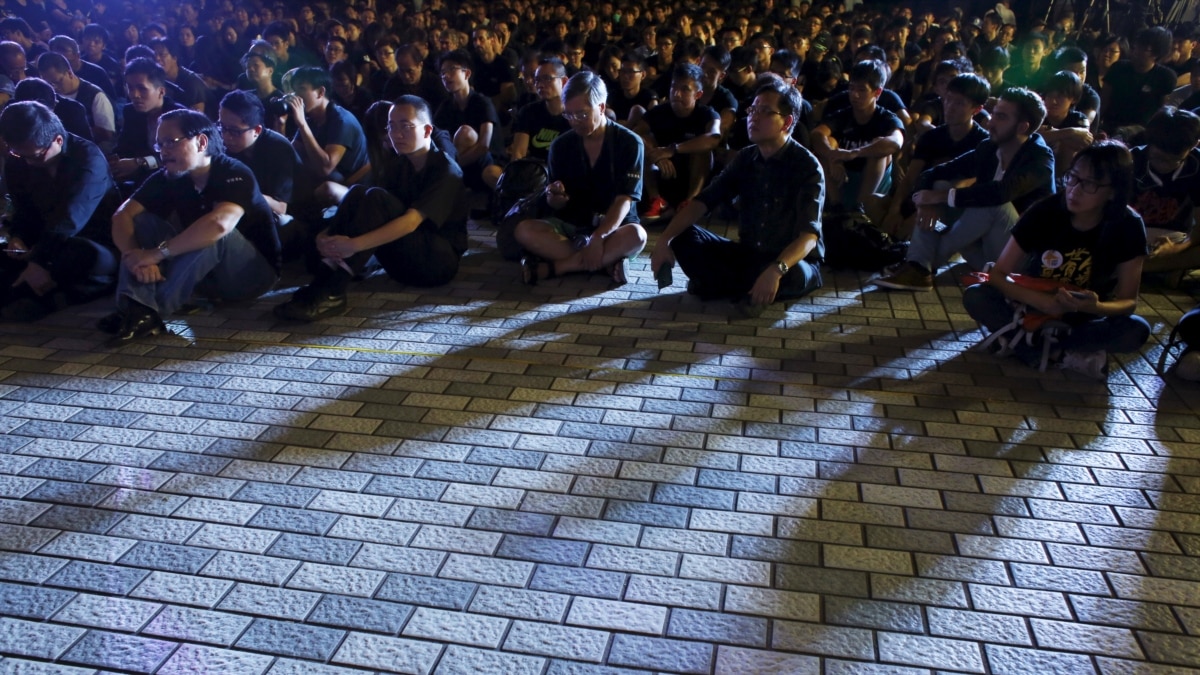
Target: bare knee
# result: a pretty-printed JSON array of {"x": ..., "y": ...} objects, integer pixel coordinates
[{"x": 465, "y": 137}]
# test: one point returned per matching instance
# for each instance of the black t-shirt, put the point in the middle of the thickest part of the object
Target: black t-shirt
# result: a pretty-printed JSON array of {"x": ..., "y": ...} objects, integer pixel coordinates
[
  {"x": 274, "y": 163},
  {"x": 228, "y": 181},
  {"x": 437, "y": 191},
  {"x": 194, "y": 90},
  {"x": 479, "y": 110},
  {"x": 592, "y": 188},
  {"x": 488, "y": 78},
  {"x": 723, "y": 100},
  {"x": 1087, "y": 259},
  {"x": 888, "y": 100},
  {"x": 1166, "y": 201},
  {"x": 1073, "y": 120},
  {"x": 1136, "y": 96},
  {"x": 620, "y": 105},
  {"x": 668, "y": 128},
  {"x": 937, "y": 145},
  {"x": 542, "y": 127},
  {"x": 851, "y": 135}
]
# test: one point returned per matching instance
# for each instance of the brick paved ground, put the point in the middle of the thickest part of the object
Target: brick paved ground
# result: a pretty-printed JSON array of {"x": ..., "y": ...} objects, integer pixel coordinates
[{"x": 486, "y": 478}]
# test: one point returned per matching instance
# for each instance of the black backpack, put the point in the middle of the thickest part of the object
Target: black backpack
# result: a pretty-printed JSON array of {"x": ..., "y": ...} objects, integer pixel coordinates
[
  {"x": 516, "y": 198},
  {"x": 852, "y": 242}
]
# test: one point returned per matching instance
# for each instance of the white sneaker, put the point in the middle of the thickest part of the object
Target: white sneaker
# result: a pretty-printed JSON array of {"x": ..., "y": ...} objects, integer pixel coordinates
[
  {"x": 1188, "y": 366},
  {"x": 1092, "y": 364}
]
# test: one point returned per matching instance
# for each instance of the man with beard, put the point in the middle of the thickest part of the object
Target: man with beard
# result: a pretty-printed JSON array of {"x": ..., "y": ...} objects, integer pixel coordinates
[
  {"x": 134, "y": 158},
  {"x": 781, "y": 189},
  {"x": 1010, "y": 171},
  {"x": 224, "y": 239}
]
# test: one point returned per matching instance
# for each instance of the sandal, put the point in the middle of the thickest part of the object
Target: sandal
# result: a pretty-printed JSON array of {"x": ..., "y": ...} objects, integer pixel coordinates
[
  {"x": 619, "y": 271},
  {"x": 530, "y": 264}
]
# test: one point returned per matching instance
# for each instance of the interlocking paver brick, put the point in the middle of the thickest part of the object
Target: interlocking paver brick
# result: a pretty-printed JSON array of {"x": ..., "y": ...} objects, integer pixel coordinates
[
  {"x": 336, "y": 579},
  {"x": 201, "y": 659},
  {"x": 281, "y": 603},
  {"x": 995, "y": 628},
  {"x": 110, "y": 579},
  {"x": 622, "y": 616},
  {"x": 456, "y": 627},
  {"x": 661, "y": 654},
  {"x": 96, "y": 611},
  {"x": 815, "y": 638},
  {"x": 291, "y": 639},
  {"x": 120, "y": 652},
  {"x": 467, "y": 661},
  {"x": 380, "y": 652},
  {"x": 520, "y": 604},
  {"x": 426, "y": 591},
  {"x": 197, "y": 625},
  {"x": 1014, "y": 660}
]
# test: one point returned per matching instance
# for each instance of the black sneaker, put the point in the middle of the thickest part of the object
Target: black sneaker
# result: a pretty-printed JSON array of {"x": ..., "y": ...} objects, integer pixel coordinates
[
  {"x": 309, "y": 304},
  {"x": 138, "y": 322}
]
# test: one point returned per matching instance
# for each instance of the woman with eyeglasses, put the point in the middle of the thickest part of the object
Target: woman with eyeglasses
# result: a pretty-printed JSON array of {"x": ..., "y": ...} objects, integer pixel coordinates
[{"x": 1087, "y": 236}]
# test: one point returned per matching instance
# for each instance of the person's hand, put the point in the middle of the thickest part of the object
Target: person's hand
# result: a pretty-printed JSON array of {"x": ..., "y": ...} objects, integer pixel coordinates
[
  {"x": 123, "y": 168},
  {"x": 140, "y": 257},
  {"x": 296, "y": 106},
  {"x": 1169, "y": 245},
  {"x": 337, "y": 247},
  {"x": 661, "y": 255},
  {"x": 149, "y": 274},
  {"x": 37, "y": 278},
  {"x": 835, "y": 174},
  {"x": 593, "y": 254},
  {"x": 15, "y": 248},
  {"x": 841, "y": 155},
  {"x": 929, "y": 197},
  {"x": 765, "y": 287},
  {"x": 666, "y": 168},
  {"x": 1076, "y": 301},
  {"x": 556, "y": 195},
  {"x": 928, "y": 217},
  {"x": 653, "y": 155}
]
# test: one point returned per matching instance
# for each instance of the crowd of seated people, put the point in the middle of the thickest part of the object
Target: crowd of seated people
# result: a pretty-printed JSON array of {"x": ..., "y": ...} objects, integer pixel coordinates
[{"x": 180, "y": 147}]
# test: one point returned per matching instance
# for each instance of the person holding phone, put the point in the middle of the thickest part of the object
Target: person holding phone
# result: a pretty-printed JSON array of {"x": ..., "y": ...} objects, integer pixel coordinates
[{"x": 1089, "y": 239}]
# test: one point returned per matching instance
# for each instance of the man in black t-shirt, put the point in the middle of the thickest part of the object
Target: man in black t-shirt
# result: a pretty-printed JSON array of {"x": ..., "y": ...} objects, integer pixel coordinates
[
  {"x": 539, "y": 123},
  {"x": 680, "y": 137},
  {"x": 628, "y": 104},
  {"x": 225, "y": 238},
  {"x": 268, "y": 154},
  {"x": 856, "y": 144},
  {"x": 713, "y": 64},
  {"x": 1135, "y": 89},
  {"x": 1166, "y": 174},
  {"x": 963, "y": 98},
  {"x": 596, "y": 169},
  {"x": 491, "y": 75},
  {"x": 471, "y": 118},
  {"x": 414, "y": 224}
]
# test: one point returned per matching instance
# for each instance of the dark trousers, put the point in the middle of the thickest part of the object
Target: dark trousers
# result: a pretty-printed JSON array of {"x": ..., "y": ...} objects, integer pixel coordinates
[
  {"x": 82, "y": 268},
  {"x": 1113, "y": 334},
  {"x": 722, "y": 268},
  {"x": 424, "y": 257}
]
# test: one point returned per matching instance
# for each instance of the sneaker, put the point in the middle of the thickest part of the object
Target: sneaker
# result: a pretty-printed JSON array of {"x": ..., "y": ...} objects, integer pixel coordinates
[
  {"x": 910, "y": 277},
  {"x": 311, "y": 303},
  {"x": 655, "y": 210},
  {"x": 1092, "y": 364},
  {"x": 1188, "y": 366}
]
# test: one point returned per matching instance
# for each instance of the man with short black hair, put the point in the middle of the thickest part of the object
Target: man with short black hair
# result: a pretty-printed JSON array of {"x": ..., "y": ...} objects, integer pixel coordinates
[
  {"x": 1135, "y": 89},
  {"x": 274, "y": 162},
  {"x": 415, "y": 225},
  {"x": 856, "y": 144},
  {"x": 55, "y": 69},
  {"x": 195, "y": 92},
  {"x": 1166, "y": 174},
  {"x": 86, "y": 70},
  {"x": 680, "y": 136},
  {"x": 200, "y": 220},
  {"x": 134, "y": 154},
  {"x": 329, "y": 140},
  {"x": 1006, "y": 174},
  {"x": 71, "y": 113},
  {"x": 62, "y": 198},
  {"x": 781, "y": 188},
  {"x": 471, "y": 118},
  {"x": 412, "y": 79}
]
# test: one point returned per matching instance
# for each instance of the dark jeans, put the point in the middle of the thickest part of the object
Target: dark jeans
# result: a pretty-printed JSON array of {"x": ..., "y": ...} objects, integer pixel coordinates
[
  {"x": 82, "y": 268},
  {"x": 722, "y": 268},
  {"x": 424, "y": 257},
  {"x": 1113, "y": 334}
]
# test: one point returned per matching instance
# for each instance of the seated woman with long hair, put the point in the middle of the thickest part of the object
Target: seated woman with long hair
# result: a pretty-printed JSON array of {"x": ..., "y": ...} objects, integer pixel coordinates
[{"x": 1088, "y": 237}]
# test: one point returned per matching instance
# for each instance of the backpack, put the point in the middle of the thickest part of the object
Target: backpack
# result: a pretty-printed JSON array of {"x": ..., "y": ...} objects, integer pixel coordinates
[
  {"x": 852, "y": 242},
  {"x": 523, "y": 180}
]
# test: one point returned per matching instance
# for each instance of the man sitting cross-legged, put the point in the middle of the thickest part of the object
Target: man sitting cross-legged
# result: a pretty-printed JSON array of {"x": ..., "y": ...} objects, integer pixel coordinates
[
  {"x": 200, "y": 220},
  {"x": 1011, "y": 170},
  {"x": 781, "y": 189},
  {"x": 597, "y": 172},
  {"x": 414, "y": 224}
]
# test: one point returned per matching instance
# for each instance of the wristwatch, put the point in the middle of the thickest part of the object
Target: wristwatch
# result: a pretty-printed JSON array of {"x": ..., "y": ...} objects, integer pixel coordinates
[
  {"x": 162, "y": 248},
  {"x": 783, "y": 267}
]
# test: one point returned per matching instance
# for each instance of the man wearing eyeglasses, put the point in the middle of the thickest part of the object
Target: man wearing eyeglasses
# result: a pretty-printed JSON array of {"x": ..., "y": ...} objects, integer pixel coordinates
[
  {"x": 540, "y": 122},
  {"x": 781, "y": 189},
  {"x": 412, "y": 79},
  {"x": 269, "y": 155},
  {"x": 415, "y": 225},
  {"x": 62, "y": 198},
  {"x": 197, "y": 222}
]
